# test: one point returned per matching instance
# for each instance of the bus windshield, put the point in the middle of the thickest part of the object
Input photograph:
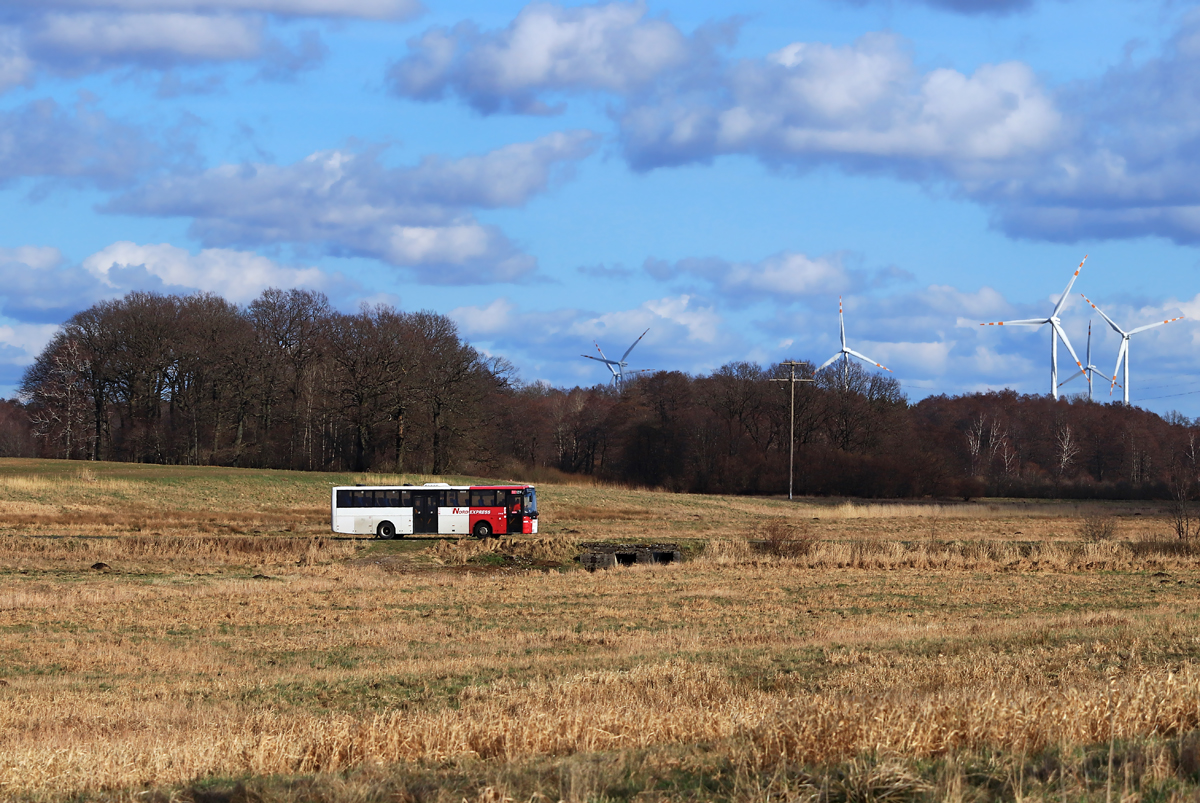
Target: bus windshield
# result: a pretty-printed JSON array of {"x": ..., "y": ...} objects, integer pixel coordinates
[{"x": 530, "y": 502}]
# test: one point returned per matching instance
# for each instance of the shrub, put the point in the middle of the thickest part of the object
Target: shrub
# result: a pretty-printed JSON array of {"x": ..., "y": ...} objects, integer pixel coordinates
[
  {"x": 1097, "y": 527},
  {"x": 785, "y": 539}
]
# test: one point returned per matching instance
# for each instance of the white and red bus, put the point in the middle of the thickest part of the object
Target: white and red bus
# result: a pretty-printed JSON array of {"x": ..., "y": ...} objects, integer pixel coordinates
[{"x": 434, "y": 508}]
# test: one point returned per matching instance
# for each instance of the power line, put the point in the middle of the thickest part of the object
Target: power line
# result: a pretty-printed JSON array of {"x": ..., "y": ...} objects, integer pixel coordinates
[
  {"x": 1173, "y": 384},
  {"x": 1173, "y": 395}
]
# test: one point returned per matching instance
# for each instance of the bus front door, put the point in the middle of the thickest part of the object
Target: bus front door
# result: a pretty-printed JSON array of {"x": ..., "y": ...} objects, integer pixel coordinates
[
  {"x": 425, "y": 511},
  {"x": 516, "y": 514}
]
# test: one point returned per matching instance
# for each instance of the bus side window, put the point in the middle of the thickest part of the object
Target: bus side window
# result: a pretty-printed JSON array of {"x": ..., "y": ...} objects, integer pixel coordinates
[
  {"x": 392, "y": 498},
  {"x": 456, "y": 498},
  {"x": 406, "y": 499},
  {"x": 343, "y": 499}
]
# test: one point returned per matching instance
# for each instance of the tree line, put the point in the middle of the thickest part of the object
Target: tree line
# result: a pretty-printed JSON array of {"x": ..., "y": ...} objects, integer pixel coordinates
[
  {"x": 288, "y": 382},
  {"x": 285, "y": 382}
]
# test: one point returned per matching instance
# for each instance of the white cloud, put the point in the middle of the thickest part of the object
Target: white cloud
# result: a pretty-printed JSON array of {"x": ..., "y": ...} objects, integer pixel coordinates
[
  {"x": 549, "y": 344},
  {"x": 496, "y": 318},
  {"x": 990, "y": 363},
  {"x": 612, "y": 47},
  {"x": 37, "y": 285},
  {"x": 29, "y": 338},
  {"x": 148, "y": 36},
  {"x": 986, "y": 302},
  {"x": 932, "y": 357},
  {"x": 972, "y": 7},
  {"x": 863, "y": 105},
  {"x": 701, "y": 323},
  {"x": 369, "y": 9},
  {"x": 673, "y": 320},
  {"x": 237, "y": 275},
  {"x": 76, "y": 36},
  {"x": 1110, "y": 157},
  {"x": 34, "y": 257},
  {"x": 1190, "y": 308},
  {"x": 417, "y": 217},
  {"x": 783, "y": 277},
  {"x": 43, "y": 140},
  {"x": 16, "y": 68}
]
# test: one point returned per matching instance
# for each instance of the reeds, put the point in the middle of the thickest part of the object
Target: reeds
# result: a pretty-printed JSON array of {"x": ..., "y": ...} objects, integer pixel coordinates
[
  {"x": 971, "y": 511},
  {"x": 526, "y": 552},
  {"x": 196, "y": 550},
  {"x": 1055, "y": 556},
  {"x": 667, "y": 703}
]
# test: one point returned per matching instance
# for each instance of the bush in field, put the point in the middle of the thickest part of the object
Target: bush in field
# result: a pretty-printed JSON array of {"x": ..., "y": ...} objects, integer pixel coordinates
[
  {"x": 1097, "y": 526},
  {"x": 785, "y": 539}
]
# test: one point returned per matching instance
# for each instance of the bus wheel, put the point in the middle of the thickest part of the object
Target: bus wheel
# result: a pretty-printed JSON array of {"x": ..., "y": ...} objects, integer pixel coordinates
[
  {"x": 483, "y": 530},
  {"x": 386, "y": 530}
]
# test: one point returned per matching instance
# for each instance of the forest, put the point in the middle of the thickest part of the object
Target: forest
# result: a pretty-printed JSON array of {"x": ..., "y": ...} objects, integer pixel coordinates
[{"x": 289, "y": 382}]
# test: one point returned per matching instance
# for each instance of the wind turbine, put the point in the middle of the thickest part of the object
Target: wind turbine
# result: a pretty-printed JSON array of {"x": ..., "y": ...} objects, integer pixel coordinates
[
  {"x": 1056, "y": 331},
  {"x": 845, "y": 352},
  {"x": 618, "y": 366},
  {"x": 1089, "y": 370},
  {"x": 1123, "y": 354}
]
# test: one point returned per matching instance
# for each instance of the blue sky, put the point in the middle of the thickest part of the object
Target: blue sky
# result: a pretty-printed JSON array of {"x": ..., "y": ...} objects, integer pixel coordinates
[{"x": 550, "y": 174}]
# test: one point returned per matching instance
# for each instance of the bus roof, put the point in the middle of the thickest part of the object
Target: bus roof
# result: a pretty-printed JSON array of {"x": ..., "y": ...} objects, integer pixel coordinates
[{"x": 441, "y": 487}]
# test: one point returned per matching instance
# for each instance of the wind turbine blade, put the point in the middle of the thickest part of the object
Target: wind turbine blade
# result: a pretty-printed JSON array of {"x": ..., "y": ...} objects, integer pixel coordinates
[
  {"x": 829, "y": 362},
  {"x": 639, "y": 340},
  {"x": 597, "y": 359},
  {"x": 1156, "y": 323},
  {"x": 865, "y": 358},
  {"x": 1063, "y": 299},
  {"x": 1072, "y": 378},
  {"x": 1111, "y": 323},
  {"x": 597, "y": 345},
  {"x": 1062, "y": 334},
  {"x": 1117, "y": 370},
  {"x": 842, "y": 322},
  {"x": 1022, "y": 322}
]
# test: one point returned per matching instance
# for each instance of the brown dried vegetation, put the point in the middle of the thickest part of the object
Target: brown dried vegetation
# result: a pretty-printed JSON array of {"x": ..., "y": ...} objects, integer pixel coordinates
[{"x": 831, "y": 672}]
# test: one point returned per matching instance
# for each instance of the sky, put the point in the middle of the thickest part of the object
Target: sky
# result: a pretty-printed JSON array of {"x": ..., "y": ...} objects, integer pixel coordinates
[{"x": 550, "y": 175}]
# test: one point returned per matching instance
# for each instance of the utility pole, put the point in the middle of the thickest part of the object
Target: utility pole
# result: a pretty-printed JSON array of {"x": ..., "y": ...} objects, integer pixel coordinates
[{"x": 792, "y": 380}]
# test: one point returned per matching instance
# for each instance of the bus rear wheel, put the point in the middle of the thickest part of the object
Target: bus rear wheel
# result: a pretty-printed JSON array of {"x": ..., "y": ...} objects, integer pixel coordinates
[
  {"x": 483, "y": 530},
  {"x": 386, "y": 530}
]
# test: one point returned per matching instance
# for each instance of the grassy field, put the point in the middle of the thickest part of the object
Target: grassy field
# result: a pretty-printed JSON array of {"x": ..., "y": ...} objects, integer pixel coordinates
[{"x": 198, "y": 634}]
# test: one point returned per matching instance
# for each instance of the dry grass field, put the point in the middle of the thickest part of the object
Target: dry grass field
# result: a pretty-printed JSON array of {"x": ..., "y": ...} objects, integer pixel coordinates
[{"x": 197, "y": 634}]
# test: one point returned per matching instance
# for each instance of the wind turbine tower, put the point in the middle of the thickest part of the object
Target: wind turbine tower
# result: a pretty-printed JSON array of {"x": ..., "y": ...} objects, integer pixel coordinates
[
  {"x": 1056, "y": 331},
  {"x": 1123, "y": 353},
  {"x": 1089, "y": 370}
]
